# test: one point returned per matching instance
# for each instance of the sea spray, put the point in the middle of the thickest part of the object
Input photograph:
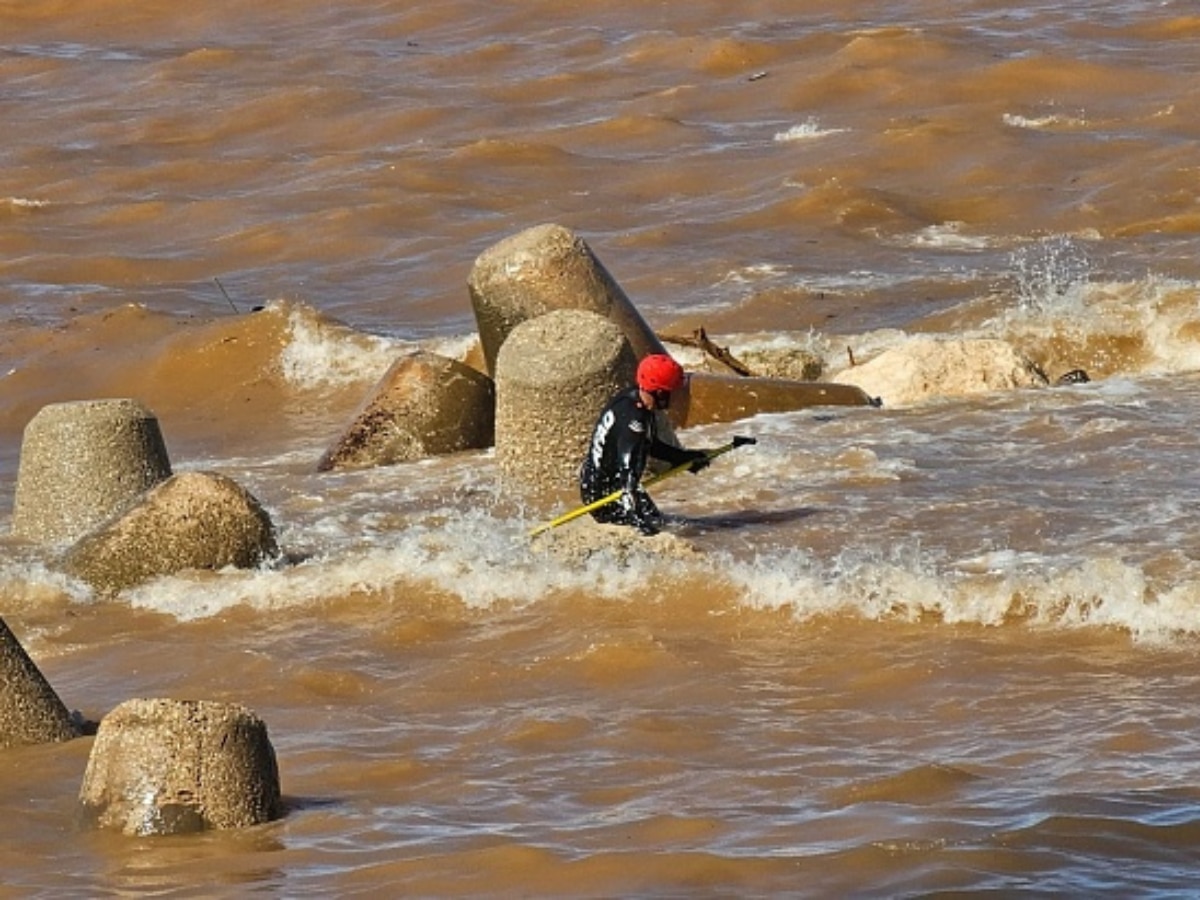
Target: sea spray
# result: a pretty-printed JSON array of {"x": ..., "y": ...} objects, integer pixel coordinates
[
  {"x": 321, "y": 352},
  {"x": 1049, "y": 273}
]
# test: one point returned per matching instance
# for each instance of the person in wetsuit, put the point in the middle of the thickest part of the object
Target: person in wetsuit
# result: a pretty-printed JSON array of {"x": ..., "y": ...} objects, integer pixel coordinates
[{"x": 624, "y": 439}]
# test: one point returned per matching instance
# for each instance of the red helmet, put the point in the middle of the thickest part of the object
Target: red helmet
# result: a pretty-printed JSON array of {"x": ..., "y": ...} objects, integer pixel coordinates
[{"x": 658, "y": 372}]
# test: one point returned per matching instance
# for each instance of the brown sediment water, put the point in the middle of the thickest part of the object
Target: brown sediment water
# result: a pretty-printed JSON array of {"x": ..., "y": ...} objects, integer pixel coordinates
[{"x": 948, "y": 644}]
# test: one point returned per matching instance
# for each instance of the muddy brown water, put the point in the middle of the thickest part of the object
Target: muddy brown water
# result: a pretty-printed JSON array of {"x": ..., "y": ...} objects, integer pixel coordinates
[{"x": 945, "y": 646}]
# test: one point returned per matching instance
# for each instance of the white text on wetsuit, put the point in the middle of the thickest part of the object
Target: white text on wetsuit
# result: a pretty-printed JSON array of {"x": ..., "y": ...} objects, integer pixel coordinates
[{"x": 598, "y": 438}]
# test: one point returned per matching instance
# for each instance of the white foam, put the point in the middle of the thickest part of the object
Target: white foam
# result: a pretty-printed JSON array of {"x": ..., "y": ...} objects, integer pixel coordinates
[
  {"x": 753, "y": 273},
  {"x": 950, "y": 236},
  {"x": 322, "y": 353},
  {"x": 24, "y": 203},
  {"x": 452, "y": 346},
  {"x": 481, "y": 562},
  {"x": 30, "y": 583},
  {"x": 1014, "y": 589},
  {"x": 1173, "y": 312},
  {"x": 808, "y": 130},
  {"x": 470, "y": 557},
  {"x": 1056, "y": 298},
  {"x": 1041, "y": 123}
]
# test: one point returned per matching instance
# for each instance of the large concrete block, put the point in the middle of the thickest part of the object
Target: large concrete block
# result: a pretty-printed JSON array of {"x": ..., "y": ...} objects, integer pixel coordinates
[
  {"x": 82, "y": 462},
  {"x": 712, "y": 398},
  {"x": 542, "y": 269},
  {"x": 194, "y": 520},
  {"x": 554, "y": 375},
  {"x": 179, "y": 766},
  {"x": 425, "y": 405},
  {"x": 30, "y": 711}
]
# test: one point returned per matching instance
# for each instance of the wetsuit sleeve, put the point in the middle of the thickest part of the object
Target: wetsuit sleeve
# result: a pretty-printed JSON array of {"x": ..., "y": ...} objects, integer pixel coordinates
[{"x": 675, "y": 455}]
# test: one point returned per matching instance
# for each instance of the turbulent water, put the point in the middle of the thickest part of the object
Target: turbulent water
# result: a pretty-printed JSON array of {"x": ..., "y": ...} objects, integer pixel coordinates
[{"x": 942, "y": 646}]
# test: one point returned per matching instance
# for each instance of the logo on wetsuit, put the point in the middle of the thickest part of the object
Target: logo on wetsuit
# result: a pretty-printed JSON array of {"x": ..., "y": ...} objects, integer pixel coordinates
[
  {"x": 603, "y": 427},
  {"x": 600, "y": 435}
]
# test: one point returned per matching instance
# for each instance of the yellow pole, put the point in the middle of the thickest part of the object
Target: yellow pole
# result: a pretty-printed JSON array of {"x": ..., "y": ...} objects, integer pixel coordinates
[{"x": 616, "y": 495}]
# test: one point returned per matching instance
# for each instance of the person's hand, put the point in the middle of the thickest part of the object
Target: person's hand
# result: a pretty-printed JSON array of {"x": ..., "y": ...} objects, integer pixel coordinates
[{"x": 700, "y": 461}]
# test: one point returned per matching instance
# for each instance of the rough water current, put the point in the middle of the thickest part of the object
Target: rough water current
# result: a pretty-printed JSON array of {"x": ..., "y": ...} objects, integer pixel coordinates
[{"x": 944, "y": 646}]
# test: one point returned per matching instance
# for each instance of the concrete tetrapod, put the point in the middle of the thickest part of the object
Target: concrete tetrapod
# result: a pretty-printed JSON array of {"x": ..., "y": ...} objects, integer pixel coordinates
[
  {"x": 178, "y": 766},
  {"x": 710, "y": 398},
  {"x": 194, "y": 520},
  {"x": 542, "y": 269},
  {"x": 554, "y": 375},
  {"x": 82, "y": 462},
  {"x": 30, "y": 711},
  {"x": 548, "y": 268},
  {"x": 425, "y": 405}
]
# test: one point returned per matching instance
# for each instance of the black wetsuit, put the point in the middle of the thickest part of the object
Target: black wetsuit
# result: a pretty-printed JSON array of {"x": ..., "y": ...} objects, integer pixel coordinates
[{"x": 624, "y": 438}]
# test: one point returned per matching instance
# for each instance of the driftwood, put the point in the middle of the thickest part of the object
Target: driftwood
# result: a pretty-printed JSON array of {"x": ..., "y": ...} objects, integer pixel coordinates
[{"x": 700, "y": 339}]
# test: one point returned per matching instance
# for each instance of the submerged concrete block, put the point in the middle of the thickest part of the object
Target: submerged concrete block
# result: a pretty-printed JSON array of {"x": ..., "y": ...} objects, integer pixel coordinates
[
  {"x": 81, "y": 463},
  {"x": 712, "y": 398},
  {"x": 194, "y": 520},
  {"x": 30, "y": 711},
  {"x": 179, "y": 766},
  {"x": 425, "y": 405},
  {"x": 930, "y": 367},
  {"x": 554, "y": 375},
  {"x": 542, "y": 269}
]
